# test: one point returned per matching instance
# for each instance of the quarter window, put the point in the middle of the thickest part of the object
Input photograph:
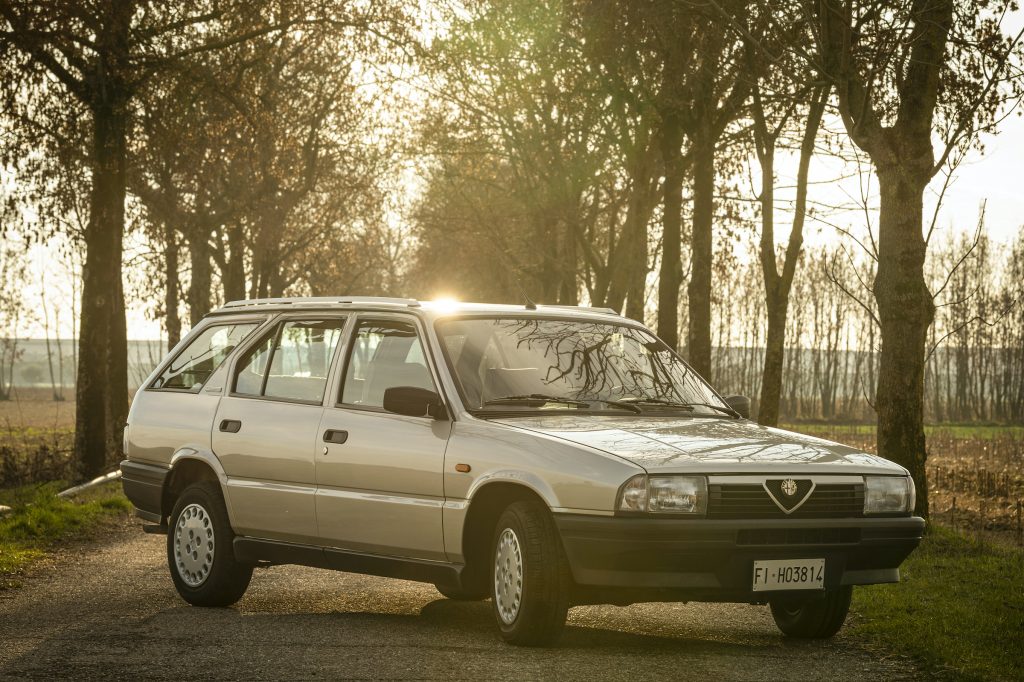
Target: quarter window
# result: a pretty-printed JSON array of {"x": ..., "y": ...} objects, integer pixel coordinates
[
  {"x": 291, "y": 362},
  {"x": 384, "y": 354},
  {"x": 202, "y": 356}
]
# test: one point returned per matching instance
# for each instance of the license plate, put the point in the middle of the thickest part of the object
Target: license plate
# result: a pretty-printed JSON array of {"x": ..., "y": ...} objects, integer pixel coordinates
[{"x": 789, "y": 574}]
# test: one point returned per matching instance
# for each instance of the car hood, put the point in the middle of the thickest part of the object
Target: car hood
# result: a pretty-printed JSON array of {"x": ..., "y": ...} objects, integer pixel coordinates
[{"x": 706, "y": 445}]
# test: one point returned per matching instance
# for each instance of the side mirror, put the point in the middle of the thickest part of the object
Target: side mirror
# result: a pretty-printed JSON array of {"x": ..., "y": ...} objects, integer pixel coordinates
[
  {"x": 414, "y": 402},
  {"x": 740, "y": 403}
]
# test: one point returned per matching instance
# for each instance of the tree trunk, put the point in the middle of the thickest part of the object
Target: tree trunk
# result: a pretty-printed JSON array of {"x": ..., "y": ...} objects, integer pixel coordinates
[
  {"x": 97, "y": 390},
  {"x": 636, "y": 265},
  {"x": 774, "y": 360},
  {"x": 234, "y": 274},
  {"x": 199, "y": 286},
  {"x": 172, "y": 290},
  {"x": 777, "y": 286},
  {"x": 671, "y": 241},
  {"x": 57, "y": 396},
  {"x": 698, "y": 342},
  {"x": 629, "y": 270},
  {"x": 117, "y": 351},
  {"x": 775, "y": 339},
  {"x": 905, "y": 310}
]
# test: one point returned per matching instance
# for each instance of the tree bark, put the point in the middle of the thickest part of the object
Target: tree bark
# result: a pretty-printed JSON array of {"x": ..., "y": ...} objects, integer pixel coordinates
[
  {"x": 97, "y": 391},
  {"x": 117, "y": 348},
  {"x": 202, "y": 277},
  {"x": 628, "y": 277},
  {"x": 636, "y": 257},
  {"x": 905, "y": 311},
  {"x": 234, "y": 274},
  {"x": 671, "y": 238},
  {"x": 698, "y": 341},
  {"x": 172, "y": 289}
]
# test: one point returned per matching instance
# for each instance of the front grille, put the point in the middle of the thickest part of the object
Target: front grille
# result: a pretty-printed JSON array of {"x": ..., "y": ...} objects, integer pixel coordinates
[
  {"x": 798, "y": 536},
  {"x": 751, "y": 501}
]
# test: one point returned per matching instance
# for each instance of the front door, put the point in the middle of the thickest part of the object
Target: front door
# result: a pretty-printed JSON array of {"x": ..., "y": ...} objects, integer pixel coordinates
[
  {"x": 265, "y": 432},
  {"x": 379, "y": 475}
]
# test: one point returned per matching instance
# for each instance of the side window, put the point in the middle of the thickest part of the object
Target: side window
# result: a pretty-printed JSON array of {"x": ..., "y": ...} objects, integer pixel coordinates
[
  {"x": 384, "y": 354},
  {"x": 291, "y": 362},
  {"x": 200, "y": 358}
]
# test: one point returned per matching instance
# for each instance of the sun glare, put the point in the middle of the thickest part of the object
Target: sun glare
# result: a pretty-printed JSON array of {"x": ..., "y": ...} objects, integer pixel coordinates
[{"x": 444, "y": 304}]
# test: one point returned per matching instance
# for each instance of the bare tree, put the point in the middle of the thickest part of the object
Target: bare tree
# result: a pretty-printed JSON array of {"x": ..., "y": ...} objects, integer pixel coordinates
[{"x": 904, "y": 72}]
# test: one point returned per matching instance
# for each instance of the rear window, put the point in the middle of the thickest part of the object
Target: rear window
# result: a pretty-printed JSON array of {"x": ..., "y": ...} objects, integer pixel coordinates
[
  {"x": 190, "y": 369},
  {"x": 291, "y": 362}
]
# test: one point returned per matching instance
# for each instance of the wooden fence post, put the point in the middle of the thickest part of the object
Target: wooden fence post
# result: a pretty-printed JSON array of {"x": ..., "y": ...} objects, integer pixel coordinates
[{"x": 952, "y": 514}]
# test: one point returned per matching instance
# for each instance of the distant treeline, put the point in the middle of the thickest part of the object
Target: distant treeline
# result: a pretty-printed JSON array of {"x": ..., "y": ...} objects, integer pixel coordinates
[
  {"x": 31, "y": 368},
  {"x": 975, "y": 366}
]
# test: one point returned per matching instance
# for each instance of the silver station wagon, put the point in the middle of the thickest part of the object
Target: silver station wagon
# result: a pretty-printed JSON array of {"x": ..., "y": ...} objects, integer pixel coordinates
[{"x": 539, "y": 456}]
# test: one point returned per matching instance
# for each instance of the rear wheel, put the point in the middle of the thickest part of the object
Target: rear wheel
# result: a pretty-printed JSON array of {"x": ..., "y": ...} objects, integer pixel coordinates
[
  {"x": 529, "y": 576},
  {"x": 199, "y": 551},
  {"x": 817, "y": 617}
]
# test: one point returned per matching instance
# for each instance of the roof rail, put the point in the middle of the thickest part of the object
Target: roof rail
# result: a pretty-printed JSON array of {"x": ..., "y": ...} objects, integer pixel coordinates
[
  {"x": 591, "y": 309},
  {"x": 321, "y": 300}
]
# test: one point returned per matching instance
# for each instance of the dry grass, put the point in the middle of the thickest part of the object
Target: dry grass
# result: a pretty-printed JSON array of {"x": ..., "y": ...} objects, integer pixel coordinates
[
  {"x": 979, "y": 469},
  {"x": 35, "y": 408},
  {"x": 36, "y": 435}
]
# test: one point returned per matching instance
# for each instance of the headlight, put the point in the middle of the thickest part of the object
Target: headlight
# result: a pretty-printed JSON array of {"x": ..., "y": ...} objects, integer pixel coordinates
[
  {"x": 888, "y": 494},
  {"x": 664, "y": 494}
]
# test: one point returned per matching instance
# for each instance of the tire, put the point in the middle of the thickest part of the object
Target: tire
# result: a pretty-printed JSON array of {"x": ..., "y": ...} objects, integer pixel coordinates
[
  {"x": 818, "y": 617},
  {"x": 527, "y": 555},
  {"x": 211, "y": 576},
  {"x": 461, "y": 594}
]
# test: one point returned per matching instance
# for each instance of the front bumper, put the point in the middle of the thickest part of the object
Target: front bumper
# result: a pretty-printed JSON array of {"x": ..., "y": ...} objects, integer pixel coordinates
[{"x": 713, "y": 559}]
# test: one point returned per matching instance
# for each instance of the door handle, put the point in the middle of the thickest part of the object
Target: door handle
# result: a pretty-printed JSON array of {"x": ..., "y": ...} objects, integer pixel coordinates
[
  {"x": 333, "y": 436},
  {"x": 230, "y": 425}
]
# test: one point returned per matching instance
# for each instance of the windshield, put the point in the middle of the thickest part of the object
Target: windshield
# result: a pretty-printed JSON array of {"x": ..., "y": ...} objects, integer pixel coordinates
[{"x": 543, "y": 364}]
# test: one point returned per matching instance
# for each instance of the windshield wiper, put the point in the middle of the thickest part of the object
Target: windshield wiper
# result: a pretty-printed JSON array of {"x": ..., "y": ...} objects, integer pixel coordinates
[
  {"x": 661, "y": 402},
  {"x": 537, "y": 398},
  {"x": 721, "y": 408},
  {"x": 541, "y": 398},
  {"x": 683, "y": 406}
]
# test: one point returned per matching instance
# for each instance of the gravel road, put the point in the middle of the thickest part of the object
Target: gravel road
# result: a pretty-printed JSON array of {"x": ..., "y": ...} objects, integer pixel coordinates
[{"x": 108, "y": 610}]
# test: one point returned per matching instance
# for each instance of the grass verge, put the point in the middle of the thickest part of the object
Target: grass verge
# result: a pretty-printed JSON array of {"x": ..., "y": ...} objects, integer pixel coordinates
[
  {"x": 39, "y": 520},
  {"x": 959, "y": 610}
]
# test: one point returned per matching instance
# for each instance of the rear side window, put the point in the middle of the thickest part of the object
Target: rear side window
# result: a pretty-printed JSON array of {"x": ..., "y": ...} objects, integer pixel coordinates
[
  {"x": 291, "y": 362},
  {"x": 202, "y": 356}
]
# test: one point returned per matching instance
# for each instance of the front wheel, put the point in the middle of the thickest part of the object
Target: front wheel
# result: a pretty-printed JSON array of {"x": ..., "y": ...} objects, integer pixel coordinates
[
  {"x": 199, "y": 551},
  {"x": 817, "y": 617},
  {"x": 529, "y": 575}
]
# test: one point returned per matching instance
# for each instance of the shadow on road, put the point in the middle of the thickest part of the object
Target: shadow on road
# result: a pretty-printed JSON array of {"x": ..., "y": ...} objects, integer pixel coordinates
[{"x": 445, "y": 639}]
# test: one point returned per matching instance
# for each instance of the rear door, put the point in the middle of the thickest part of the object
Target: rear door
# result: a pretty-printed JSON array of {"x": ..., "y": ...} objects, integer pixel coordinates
[
  {"x": 265, "y": 430},
  {"x": 175, "y": 409},
  {"x": 379, "y": 474}
]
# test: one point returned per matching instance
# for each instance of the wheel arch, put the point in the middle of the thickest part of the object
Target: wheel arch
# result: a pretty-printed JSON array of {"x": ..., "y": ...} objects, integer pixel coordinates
[
  {"x": 488, "y": 501},
  {"x": 188, "y": 466}
]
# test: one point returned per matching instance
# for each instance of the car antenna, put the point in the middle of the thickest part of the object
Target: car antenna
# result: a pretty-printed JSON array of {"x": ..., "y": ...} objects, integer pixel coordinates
[{"x": 530, "y": 305}]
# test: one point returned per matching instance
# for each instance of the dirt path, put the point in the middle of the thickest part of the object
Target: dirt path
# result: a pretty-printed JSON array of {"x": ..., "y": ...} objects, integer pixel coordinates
[{"x": 109, "y": 611}]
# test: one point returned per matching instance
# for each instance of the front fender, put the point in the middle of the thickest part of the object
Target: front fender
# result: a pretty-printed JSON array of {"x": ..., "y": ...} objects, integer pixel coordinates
[{"x": 524, "y": 478}]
